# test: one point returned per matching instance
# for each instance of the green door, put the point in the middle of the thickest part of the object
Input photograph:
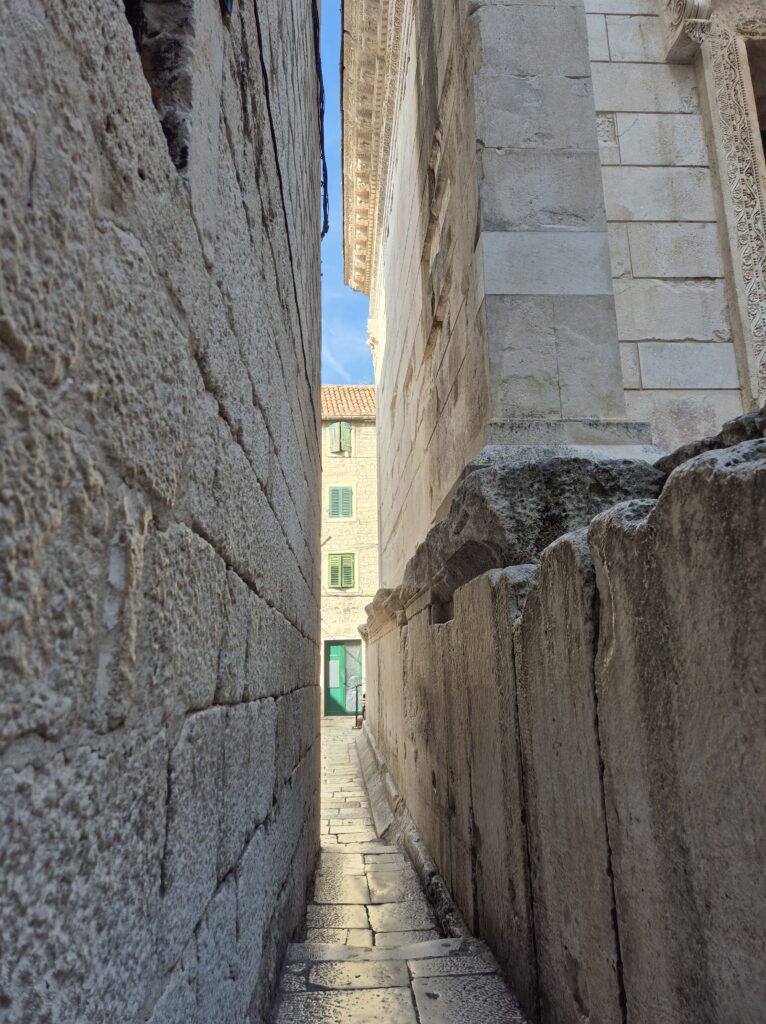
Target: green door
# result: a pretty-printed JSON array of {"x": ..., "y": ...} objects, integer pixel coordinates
[{"x": 342, "y": 677}]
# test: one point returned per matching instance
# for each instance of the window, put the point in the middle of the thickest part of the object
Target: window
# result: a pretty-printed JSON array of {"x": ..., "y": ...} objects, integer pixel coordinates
[
  {"x": 341, "y": 503},
  {"x": 341, "y": 573},
  {"x": 340, "y": 437}
]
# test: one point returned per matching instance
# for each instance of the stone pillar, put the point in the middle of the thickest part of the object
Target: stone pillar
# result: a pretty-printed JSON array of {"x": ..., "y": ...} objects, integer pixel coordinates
[{"x": 554, "y": 363}]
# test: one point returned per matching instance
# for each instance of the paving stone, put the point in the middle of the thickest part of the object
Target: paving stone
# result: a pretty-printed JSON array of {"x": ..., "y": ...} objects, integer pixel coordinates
[
  {"x": 387, "y": 940},
  {"x": 370, "y": 930},
  {"x": 452, "y": 965},
  {"x": 482, "y": 999},
  {"x": 314, "y": 952},
  {"x": 327, "y": 935},
  {"x": 389, "y": 886},
  {"x": 396, "y": 917},
  {"x": 336, "y": 916},
  {"x": 380, "y": 974},
  {"x": 393, "y": 1005},
  {"x": 340, "y": 888}
]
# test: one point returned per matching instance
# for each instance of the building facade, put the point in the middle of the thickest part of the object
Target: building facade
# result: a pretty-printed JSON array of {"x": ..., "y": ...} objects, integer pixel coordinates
[
  {"x": 558, "y": 214},
  {"x": 349, "y": 540},
  {"x": 159, "y": 589}
]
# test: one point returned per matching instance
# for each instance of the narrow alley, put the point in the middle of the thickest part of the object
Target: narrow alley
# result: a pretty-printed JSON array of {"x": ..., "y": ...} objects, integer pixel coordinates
[{"x": 372, "y": 948}]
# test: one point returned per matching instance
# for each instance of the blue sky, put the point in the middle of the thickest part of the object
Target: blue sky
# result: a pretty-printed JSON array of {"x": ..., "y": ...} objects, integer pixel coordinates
[{"x": 345, "y": 356}]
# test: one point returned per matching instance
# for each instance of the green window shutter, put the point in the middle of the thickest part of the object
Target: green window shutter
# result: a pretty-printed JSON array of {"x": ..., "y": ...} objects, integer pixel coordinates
[
  {"x": 340, "y": 503},
  {"x": 345, "y": 437},
  {"x": 334, "y": 573},
  {"x": 347, "y": 572},
  {"x": 335, "y": 437}
]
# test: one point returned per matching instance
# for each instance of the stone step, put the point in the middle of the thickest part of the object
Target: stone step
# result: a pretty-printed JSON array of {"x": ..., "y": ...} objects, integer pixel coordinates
[{"x": 315, "y": 952}]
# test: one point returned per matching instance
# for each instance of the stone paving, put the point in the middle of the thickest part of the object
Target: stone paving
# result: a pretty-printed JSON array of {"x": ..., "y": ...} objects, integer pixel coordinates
[{"x": 372, "y": 949}]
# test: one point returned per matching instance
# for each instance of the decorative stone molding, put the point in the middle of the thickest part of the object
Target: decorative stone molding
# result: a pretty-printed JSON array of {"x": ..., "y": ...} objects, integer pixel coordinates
[
  {"x": 372, "y": 48},
  {"x": 741, "y": 168},
  {"x": 680, "y": 16}
]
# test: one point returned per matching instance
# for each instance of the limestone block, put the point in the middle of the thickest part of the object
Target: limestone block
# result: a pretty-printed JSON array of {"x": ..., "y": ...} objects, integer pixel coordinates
[
  {"x": 608, "y": 144},
  {"x": 665, "y": 88},
  {"x": 678, "y": 416},
  {"x": 185, "y": 595},
  {"x": 577, "y": 950},
  {"x": 232, "y": 660},
  {"x": 484, "y": 752},
  {"x": 675, "y": 250},
  {"x": 195, "y": 776},
  {"x": 687, "y": 364},
  {"x": 222, "y": 990},
  {"x": 178, "y": 1002},
  {"x": 672, "y": 310},
  {"x": 662, "y": 139},
  {"x": 588, "y": 358},
  {"x": 522, "y": 355},
  {"x": 620, "y": 6},
  {"x": 541, "y": 40},
  {"x": 249, "y": 769},
  {"x": 531, "y": 112},
  {"x": 81, "y": 837},
  {"x": 631, "y": 368},
  {"x": 685, "y": 792},
  {"x": 619, "y": 251},
  {"x": 524, "y": 189},
  {"x": 598, "y": 44},
  {"x": 546, "y": 263},
  {"x": 509, "y": 509},
  {"x": 136, "y": 382},
  {"x": 56, "y": 527},
  {"x": 634, "y": 38},
  {"x": 659, "y": 193}
]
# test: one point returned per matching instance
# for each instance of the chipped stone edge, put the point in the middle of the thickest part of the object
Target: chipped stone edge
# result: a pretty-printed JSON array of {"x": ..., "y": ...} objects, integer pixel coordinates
[{"x": 393, "y": 821}]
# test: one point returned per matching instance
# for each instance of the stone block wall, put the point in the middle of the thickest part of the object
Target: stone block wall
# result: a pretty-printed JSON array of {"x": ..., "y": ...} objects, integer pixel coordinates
[
  {"x": 433, "y": 388},
  {"x": 159, "y": 353},
  {"x": 581, "y": 746},
  {"x": 666, "y": 232}
]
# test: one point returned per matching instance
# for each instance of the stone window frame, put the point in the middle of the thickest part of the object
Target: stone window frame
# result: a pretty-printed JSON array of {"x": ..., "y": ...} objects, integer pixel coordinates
[{"x": 695, "y": 30}]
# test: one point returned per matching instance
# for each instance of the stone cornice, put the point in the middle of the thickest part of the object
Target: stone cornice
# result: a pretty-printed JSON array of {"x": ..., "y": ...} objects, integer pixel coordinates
[{"x": 372, "y": 31}]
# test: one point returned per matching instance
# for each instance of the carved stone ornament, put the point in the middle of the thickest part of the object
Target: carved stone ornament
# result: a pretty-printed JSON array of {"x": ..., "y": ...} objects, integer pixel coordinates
[
  {"x": 372, "y": 48},
  {"x": 741, "y": 167}
]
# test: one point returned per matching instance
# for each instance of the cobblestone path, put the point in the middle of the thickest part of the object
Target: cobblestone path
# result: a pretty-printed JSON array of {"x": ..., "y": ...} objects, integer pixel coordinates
[{"x": 373, "y": 951}]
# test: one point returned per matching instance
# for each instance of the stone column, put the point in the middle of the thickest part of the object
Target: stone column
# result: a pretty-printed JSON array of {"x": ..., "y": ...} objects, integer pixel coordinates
[{"x": 554, "y": 362}]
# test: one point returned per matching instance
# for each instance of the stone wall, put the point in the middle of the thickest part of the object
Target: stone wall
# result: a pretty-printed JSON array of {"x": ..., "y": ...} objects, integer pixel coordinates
[
  {"x": 581, "y": 746},
  {"x": 160, "y": 464},
  {"x": 664, "y": 203}
]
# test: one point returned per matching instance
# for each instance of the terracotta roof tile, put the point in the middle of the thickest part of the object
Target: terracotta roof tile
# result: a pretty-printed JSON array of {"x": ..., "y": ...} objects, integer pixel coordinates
[{"x": 349, "y": 401}]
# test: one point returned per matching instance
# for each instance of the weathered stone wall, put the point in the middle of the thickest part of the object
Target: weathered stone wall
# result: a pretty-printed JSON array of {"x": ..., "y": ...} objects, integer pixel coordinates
[
  {"x": 433, "y": 385},
  {"x": 581, "y": 746},
  {"x": 160, "y": 465}
]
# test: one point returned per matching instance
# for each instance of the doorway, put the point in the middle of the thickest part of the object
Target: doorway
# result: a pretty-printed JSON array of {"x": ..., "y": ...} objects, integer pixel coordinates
[{"x": 342, "y": 677}]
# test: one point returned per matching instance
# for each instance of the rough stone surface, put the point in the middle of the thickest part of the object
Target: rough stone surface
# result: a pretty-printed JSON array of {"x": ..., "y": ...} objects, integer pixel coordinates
[
  {"x": 554, "y": 643},
  {"x": 159, "y": 355},
  {"x": 682, "y": 724},
  {"x": 507, "y": 511},
  {"x": 583, "y": 757}
]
